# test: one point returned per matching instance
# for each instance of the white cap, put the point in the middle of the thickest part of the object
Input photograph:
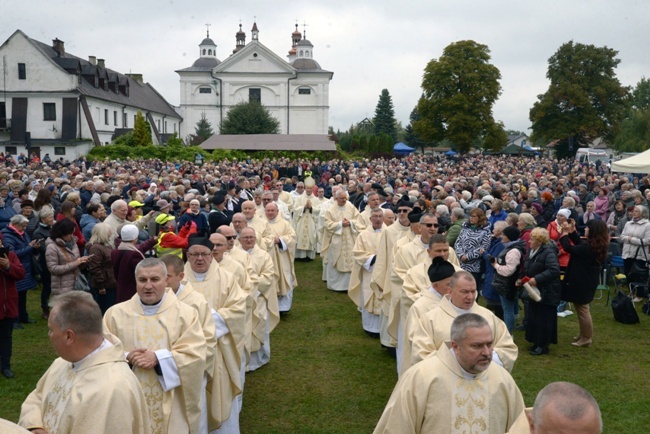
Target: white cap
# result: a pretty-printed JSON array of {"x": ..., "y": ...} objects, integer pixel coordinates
[
  {"x": 129, "y": 233},
  {"x": 564, "y": 212},
  {"x": 487, "y": 198}
]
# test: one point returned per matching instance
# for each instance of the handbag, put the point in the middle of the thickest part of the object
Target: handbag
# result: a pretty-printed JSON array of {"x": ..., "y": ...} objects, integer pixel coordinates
[
  {"x": 646, "y": 308},
  {"x": 80, "y": 280},
  {"x": 623, "y": 309},
  {"x": 639, "y": 272}
]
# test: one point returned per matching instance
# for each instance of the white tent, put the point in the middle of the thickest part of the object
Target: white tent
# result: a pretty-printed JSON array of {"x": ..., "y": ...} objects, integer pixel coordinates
[{"x": 639, "y": 163}]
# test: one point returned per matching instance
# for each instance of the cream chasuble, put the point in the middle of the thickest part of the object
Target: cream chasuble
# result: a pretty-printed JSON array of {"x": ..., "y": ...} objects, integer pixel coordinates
[
  {"x": 192, "y": 298},
  {"x": 7, "y": 427},
  {"x": 521, "y": 425},
  {"x": 282, "y": 256},
  {"x": 287, "y": 199},
  {"x": 427, "y": 302},
  {"x": 320, "y": 226},
  {"x": 380, "y": 281},
  {"x": 338, "y": 242},
  {"x": 406, "y": 256},
  {"x": 262, "y": 275},
  {"x": 416, "y": 282},
  {"x": 99, "y": 395},
  {"x": 365, "y": 247},
  {"x": 174, "y": 327},
  {"x": 235, "y": 261},
  {"x": 437, "y": 396},
  {"x": 305, "y": 224},
  {"x": 363, "y": 220},
  {"x": 435, "y": 326},
  {"x": 228, "y": 301}
]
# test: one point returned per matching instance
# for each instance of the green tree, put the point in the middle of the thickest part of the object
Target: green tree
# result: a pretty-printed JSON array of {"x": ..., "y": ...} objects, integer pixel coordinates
[
  {"x": 584, "y": 101},
  {"x": 249, "y": 118},
  {"x": 495, "y": 138},
  {"x": 203, "y": 130},
  {"x": 411, "y": 138},
  {"x": 634, "y": 135},
  {"x": 384, "y": 119},
  {"x": 459, "y": 90},
  {"x": 141, "y": 131},
  {"x": 175, "y": 141}
]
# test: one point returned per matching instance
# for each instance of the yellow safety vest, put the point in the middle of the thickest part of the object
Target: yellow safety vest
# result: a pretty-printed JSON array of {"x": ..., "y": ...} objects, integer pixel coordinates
[{"x": 162, "y": 251}]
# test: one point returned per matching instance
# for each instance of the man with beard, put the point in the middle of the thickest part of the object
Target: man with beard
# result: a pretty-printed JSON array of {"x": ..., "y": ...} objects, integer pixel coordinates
[{"x": 442, "y": 394}]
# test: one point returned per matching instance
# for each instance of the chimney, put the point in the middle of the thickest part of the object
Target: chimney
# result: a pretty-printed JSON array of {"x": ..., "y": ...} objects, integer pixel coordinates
[
  {"x": 58, "y": 46},
  {"x": 92, "y": 60},
  {"x": 100, "y": 63},
  {"x": 137, "y": 77}
]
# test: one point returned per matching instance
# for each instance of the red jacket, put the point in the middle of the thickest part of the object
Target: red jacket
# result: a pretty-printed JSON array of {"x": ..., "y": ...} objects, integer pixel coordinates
[{"x": 8, "y": 292}]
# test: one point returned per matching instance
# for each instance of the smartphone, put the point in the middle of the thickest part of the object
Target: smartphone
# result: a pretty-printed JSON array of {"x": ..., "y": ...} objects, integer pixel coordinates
[{"x": 4, "y": 252}]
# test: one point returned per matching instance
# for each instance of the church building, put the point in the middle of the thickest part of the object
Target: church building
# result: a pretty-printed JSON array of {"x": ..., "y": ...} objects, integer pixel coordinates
[{"x": 294, "y": 91}]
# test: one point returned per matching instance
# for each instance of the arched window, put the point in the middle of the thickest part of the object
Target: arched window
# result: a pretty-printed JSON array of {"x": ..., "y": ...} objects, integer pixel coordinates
[
  {"x": 300, "y": 54},
  {"x": 307, "y": 53},
  {"x": 204, "y": 51},
  {"x": 209, "y": 52}
]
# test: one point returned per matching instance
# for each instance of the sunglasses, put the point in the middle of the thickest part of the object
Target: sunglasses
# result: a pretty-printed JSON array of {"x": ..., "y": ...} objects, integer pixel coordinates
[
  {"x": 402, "y": 211},
  {"x": 231, "y": 237},
  {"x": 435, "y": 225}
]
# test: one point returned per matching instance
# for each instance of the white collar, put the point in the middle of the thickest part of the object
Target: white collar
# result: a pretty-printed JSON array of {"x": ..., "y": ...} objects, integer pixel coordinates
[
  {"x": 105, "y": 344},
  {"x": 152, "y": 309}
]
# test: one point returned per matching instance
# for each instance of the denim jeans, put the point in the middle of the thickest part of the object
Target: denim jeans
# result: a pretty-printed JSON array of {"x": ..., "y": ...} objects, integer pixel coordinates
[{"x": 508, "y": 312}]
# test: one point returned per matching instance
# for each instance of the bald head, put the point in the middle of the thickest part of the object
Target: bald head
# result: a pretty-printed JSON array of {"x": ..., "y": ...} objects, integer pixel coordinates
[
  {"x": 565, "y": 407},
  {"x": 248, "y": 209},
  {"x": 220, "y": 246},
  {"x": 229, "y": 234}
]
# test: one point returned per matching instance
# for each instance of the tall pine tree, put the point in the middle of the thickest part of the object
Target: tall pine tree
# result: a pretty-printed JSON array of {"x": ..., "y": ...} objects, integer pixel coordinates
[
  {"x": 384, "y": 119},
  {"x": 203, "y": 130},
  {"x": 141, "y": 131}
]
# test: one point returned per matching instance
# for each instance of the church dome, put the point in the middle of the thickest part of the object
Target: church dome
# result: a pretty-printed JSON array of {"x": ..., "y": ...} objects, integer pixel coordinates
[
  {"x": 206, "y": 62},
  {"x": 207, "y": 41},
  {"x": 303, "y": 64},
  {"x": 304, "y": 42}
]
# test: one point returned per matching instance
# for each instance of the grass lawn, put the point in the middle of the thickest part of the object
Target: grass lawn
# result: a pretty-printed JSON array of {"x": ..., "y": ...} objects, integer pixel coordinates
[{"x": 327, "y": 376}]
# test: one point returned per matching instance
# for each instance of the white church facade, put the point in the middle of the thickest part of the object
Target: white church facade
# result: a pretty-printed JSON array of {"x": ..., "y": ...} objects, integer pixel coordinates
[{"x": 295, "y": 92}]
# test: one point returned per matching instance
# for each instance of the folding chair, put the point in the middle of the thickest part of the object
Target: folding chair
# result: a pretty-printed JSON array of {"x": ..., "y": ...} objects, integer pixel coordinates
[{"x": 602, "y": 286}]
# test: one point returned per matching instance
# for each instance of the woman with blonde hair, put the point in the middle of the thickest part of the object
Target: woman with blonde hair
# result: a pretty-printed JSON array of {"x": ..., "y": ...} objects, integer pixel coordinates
[
  {"x": 102, "y": 278},
  {"x": 542, "y": 270}
]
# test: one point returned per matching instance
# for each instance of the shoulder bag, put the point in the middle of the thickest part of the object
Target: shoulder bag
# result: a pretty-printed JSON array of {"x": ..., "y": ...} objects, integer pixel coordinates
[{"x": 80, "y": 280}]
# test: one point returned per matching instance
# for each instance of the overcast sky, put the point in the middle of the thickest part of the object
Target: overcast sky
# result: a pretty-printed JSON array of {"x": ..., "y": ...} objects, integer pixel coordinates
[{"x": 369, "y": 45}]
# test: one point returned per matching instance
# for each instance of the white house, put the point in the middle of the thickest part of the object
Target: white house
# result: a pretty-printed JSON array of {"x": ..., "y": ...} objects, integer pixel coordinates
[
  {"x": 296, "y": 92},
  {"x": 64, "y": 105}
]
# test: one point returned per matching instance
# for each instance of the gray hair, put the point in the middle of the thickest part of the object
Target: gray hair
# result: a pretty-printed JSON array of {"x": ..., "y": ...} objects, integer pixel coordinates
[
  {"x": 20, "y": 219},
  {"x": 527, "y": 218},
  {"x": 442, "y": 210},
  {"x": 103, "y": 234},
  {"x": 117, "y": 204},
  {"x": 45, "y": 212},
  {"x": 459, "y": 213},
  {"x": 500, "y": 225},
  {"x": 465, "y": 321},
  {"x": 78, "y": 311},
  {"x": 151, "y": 263},
  {"x": 643, "y": 211},
  {"x": 571, "y": 400},
  {"x": 571, "y": 201},
  {"x": 425, "y": 215}
]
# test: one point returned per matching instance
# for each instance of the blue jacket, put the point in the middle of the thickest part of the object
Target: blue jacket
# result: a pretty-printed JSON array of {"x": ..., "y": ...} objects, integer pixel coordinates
[
  {"x": 87, "y": 223},
  {"x": 496, "y": 218},
  {"x": 6, "y": 213},
  {"x": 488, "y": 290},
  {"x": 20, "y": 246}
]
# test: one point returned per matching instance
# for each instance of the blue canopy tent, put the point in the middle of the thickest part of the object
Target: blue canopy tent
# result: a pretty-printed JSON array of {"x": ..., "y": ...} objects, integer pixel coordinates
[
  {"x": 451, "y": 153},
  {"x": 401, "y": 148}
]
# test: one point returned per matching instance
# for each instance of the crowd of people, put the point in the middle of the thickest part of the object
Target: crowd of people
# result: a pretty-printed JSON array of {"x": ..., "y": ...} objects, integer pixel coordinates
[{"x": 191, "y": 269}]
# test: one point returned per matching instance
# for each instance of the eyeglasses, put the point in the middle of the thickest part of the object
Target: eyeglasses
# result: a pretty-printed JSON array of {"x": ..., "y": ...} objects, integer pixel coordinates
[
  {"x": 199, "y": 255},
  {"x": 220, "y": 245},
  {"x": 403, "y": 211},
  {"x": 435, "y": 225},
  {"x": 231, "y": 237},
  {"x": 247, "y": 238}
]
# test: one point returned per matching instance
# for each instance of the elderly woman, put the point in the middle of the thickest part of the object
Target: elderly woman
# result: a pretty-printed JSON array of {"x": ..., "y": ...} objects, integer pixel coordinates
[
  {"x": 586, "y": 217},
  {"x": 526, "y": 224},
  {"x": 125, "y": 258},
  {"x": 472, "y": 242},
  {"x": 616, "y": 215},
  {"x": 195, "y": 215},
  {"x": 102, "y": 277},
  {"x": 27, "y": 210},
  {"x": 15, "y": 237},
  {"x": 555, "y": 231},
  {"x": 492, "y": 300},
  {"x": 542, "y": 270},
  {"x": 636, "y": 239},
  {"x": 62, "y": 256},
  {"x": 42, "y": 233},
  {"x": 67, "y": 213},
  {"x": 601, "y": 204}
]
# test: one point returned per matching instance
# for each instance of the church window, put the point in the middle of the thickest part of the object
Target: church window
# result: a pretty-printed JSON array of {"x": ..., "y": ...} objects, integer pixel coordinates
[
  {"x": 304, "y": 91},
  {"x": 307, "y": 53},
  {"x": 210, "y": 52},
  {"x": 254, "y": 54},
  {"x": 254, "y": 94},
  {"x": 204, "y": 51},
  {"x": 205, "y": 90},
  {"x": 300, "y": 54}
]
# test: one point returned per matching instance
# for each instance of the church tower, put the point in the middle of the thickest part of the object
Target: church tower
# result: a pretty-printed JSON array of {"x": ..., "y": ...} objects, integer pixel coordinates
[
  {"x": 207, "y": 47},
  {"x": 296, "y": 36},
  {"x": 240, "y": 38},
  {"x": 255, "y": 32}
]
